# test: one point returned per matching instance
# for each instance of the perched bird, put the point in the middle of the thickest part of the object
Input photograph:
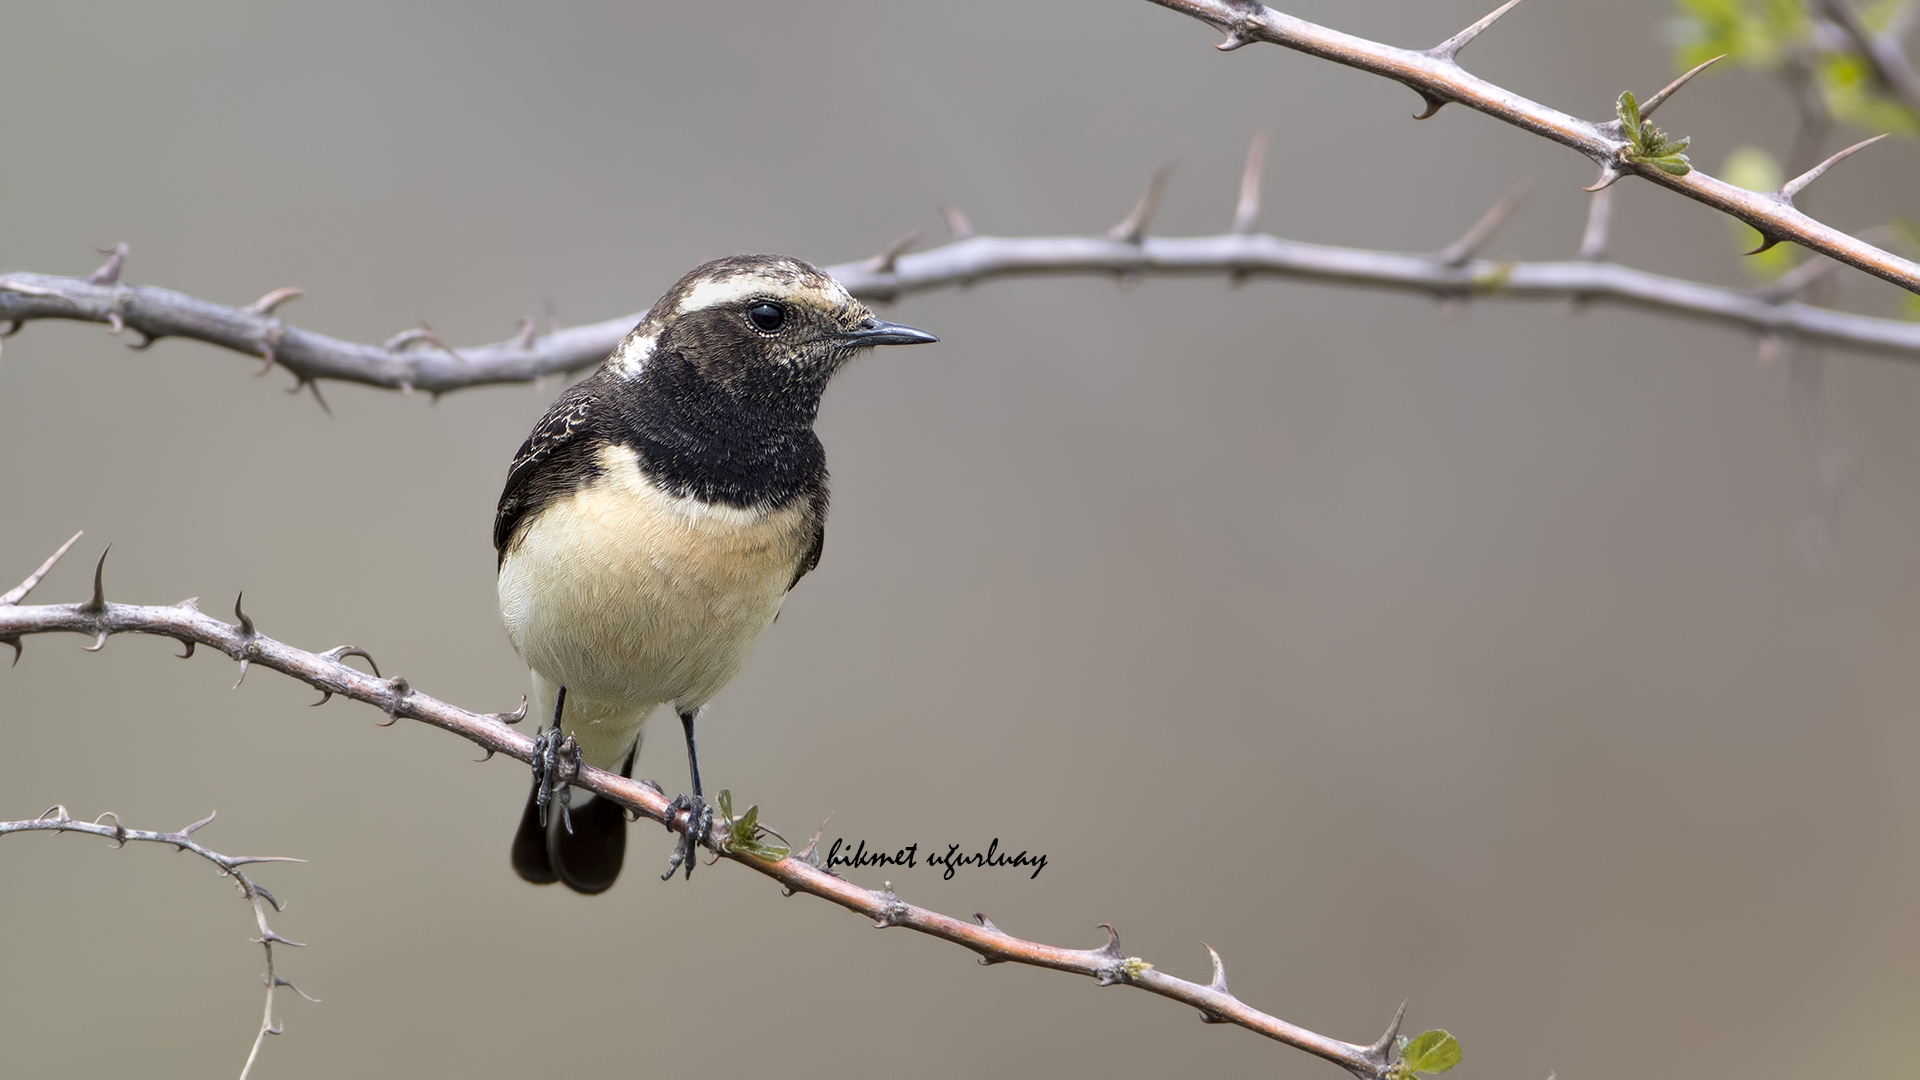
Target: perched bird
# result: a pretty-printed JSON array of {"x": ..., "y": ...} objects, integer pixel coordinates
[{"x": 653, "y": 523}]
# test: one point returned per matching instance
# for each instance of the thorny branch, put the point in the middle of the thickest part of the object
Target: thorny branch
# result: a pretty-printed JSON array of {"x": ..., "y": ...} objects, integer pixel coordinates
[
  {"x": 1439, "y": 79},
  {"x": 418, "y": 359},
  {"x": 56, "y": 819},
  {"x": 1109, "y": 965}
]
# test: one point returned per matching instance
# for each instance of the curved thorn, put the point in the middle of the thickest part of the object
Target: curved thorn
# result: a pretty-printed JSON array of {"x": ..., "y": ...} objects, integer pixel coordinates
[
  {"x": 115, "y": 324},
  {"x": 191, "y": 603},
  {"x": 1219, "y": 983},
  {"x": 489, "y": 757},
  {"x": 1767, "y": 242},
  {"x": 1248, "y": 207},
  {"x": 1112, "y": 948},
  {"x": 1799, "y": 183},
  {"x": 187, "y": 653},
  {"x": 1434, "y": 105},
  {"x": 266, "y": 304},
  {"x": 99, "y": 602},
  {"x": 99, "y": 641},
  {"x": 15, "y": 642},
  {"x": 19, "y": 592},
  {"x": 524, "y": 339},
  {"x": 1133, "y": 228},
  {"x": 1378, "y": 1051},
  {"x": 1672, "y": 88},
  {"x": 513, "y": 717},
  {"x": 981, "y": 918},
  {"x": 314, "y": 385},
  {"x": 244, "y": 664},
  {"x": 14, "y": 326},
  {"x": 1608, "y": 174},
  {"x": 338, "y": 653},
  {"x": 196, "y": 826},
  {"x": 1234, "y": 41},
  {"x": 325, "y": 696},
  {"x": 957, "y": 222},
  {"x": 119, "y": 830},
  {"x": 279, "y": 982},
  {"x": 58, "y": 810},
  {"x": 246, "y": 621},
  {"x": 1451, "y": 47},
  {"x": 1469, "y": 244},
  {"x": 146, "y": 341},
  {"x": 276, "y": 939},
  {"x": 109, "y": 272}
]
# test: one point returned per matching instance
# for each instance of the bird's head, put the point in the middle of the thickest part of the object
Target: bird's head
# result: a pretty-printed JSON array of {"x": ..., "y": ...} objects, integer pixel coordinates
[{"x": 766, "y": 328}]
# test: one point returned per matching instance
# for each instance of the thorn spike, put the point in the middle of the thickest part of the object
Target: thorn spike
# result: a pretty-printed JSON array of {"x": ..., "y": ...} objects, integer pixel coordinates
[
  {"x": 1249, "y": 206},
  {"x": 1434, "y": 105},
  {"x": 19, "y": 592},
  {"x": 246, "y": 621},
  {"x": 109, "y": 272},
  {"x": 1593, "y": 241},
  {"x": 99, "y": 602},
  {"x": 1451, "y": 47},
  {"x": 1672, "y": 88},
  {"x": 1133, "y": 229},
  {"x": 1219, "y": 983},
  {"x": 957, "y": 222},
  {"x": 1608, "y": 174},
  {"x": 1799, "y": 183},
  {"x": 1381, "y": 1046},
  {"x": 1767, "y": 242},
  {"x": 266, "y": 304}
]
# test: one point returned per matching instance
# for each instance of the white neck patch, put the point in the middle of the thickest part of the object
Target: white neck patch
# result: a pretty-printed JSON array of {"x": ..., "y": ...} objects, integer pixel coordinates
[{"x": 631, "y": 354}]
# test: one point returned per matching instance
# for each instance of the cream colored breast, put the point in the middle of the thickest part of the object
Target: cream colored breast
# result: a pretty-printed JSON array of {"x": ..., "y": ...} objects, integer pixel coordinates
[{"x": 630, "y": 596}]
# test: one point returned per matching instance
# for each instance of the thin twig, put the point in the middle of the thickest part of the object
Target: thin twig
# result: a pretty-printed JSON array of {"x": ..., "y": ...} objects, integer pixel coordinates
[
  {"x": 57, "y": 820},
  {"x": 1439, "y": 79},
  {"x": 1108, "y": 964}
]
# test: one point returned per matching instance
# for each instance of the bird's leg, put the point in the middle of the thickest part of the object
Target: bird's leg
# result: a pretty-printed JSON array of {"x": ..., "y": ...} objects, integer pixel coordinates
[
  {"x": 550, "y": 751},
  {"x": 699, "y": 814}
]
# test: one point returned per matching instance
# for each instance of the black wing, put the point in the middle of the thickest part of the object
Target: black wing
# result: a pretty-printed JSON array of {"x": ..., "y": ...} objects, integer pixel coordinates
[
  {"x": 811, "y": 558},
  {"x": 553, "y": 433}
]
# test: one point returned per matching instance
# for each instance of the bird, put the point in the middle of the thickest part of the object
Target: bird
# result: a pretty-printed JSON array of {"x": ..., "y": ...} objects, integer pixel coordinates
[{"x": 654, "y": 522}]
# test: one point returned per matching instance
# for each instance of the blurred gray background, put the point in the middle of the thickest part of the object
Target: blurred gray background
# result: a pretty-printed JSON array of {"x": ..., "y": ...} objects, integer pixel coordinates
[{"x": 1494, "y": 660}]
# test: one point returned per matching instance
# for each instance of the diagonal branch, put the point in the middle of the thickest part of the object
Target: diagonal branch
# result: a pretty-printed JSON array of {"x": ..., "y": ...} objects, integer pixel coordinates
[
  {"x": 1439, "y": 80},
  {"x": 1108, "y": 965},
  {"x": 57, "y": 820}
]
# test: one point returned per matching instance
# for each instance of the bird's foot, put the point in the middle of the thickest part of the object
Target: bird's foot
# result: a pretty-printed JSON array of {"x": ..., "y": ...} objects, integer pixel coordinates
[
  {"x": 556, "y": 758},
  {"x": 699, "y": 820}
]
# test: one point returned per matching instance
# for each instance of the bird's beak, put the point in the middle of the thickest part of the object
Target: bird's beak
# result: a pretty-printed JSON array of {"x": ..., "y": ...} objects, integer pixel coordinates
[{"x": 881, "y": 332}]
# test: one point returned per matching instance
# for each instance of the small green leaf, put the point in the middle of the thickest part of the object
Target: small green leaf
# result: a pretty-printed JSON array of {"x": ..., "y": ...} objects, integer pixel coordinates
[
  {"x": 1431, "y": 1052},
  {"x": 1629, "y": 112},
  {"x": 1672, "y": 164}
]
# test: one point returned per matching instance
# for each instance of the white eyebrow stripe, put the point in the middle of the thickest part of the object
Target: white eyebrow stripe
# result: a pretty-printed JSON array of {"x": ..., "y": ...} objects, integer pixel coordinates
[{"x": 715, "y": 292}]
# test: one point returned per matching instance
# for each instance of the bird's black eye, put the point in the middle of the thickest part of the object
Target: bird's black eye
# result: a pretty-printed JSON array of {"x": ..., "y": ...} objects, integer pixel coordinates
[{"x": 768, "y": 317}]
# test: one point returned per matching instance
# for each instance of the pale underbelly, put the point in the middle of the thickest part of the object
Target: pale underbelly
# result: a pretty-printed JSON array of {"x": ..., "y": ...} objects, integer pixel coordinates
[{"x": 629, "y": 597}]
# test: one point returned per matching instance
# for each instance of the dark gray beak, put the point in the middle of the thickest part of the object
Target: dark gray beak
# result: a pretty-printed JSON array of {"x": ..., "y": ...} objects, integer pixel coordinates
[{"x": 881, "y": 332}]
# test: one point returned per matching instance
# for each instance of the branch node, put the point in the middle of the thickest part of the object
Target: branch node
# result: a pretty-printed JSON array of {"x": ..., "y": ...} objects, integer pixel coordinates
[
  {"x": 883, "y": 263},
  {"x": 119, "y": 830},
  {"x": 524, "y": 339},
  {"x": 891, "y": 909},
  {"x": 399, "y": 691},
  {"x": 109, "y": 272}
]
